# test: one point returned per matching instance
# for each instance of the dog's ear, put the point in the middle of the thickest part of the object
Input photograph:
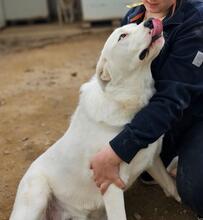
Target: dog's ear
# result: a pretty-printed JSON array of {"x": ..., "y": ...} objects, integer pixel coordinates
[{"x": 102, "y": 73}]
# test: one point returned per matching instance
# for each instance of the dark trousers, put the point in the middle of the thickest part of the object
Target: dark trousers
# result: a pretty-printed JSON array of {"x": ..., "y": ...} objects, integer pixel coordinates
[{"x": 186, "y": 141}]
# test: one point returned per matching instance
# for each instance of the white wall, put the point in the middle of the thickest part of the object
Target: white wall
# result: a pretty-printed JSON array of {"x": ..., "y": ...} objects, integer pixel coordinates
[
  {"x": 2, "y": 18},
  {"x": 25, "y": 9},
  {"x": 104, "y": 9}
]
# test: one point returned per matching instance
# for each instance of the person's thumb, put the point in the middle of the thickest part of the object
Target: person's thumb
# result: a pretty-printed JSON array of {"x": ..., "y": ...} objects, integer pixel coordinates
[
  {"x": 104, "y": 187},
  {"x": 119, "y": 183}
]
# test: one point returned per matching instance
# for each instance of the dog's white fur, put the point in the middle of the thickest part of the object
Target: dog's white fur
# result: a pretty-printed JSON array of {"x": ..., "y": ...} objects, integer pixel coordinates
[{"x": 60, "y": 181}]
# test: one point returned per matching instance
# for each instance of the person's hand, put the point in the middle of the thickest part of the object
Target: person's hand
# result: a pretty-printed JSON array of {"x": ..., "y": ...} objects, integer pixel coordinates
[{"x": 105, "y": 166}]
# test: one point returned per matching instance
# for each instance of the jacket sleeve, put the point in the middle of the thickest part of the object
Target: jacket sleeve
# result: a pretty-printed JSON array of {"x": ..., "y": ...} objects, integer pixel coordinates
[{"x": 180, "y": 77}]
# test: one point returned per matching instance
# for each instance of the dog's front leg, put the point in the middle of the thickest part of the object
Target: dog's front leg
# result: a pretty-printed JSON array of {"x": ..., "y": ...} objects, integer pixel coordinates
[
  {"x": 114, "y": 203},
  {"x": 159, "y": 173}
]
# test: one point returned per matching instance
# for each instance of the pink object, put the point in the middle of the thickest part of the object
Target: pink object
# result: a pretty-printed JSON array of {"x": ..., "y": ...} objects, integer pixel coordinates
[{"x": 158, "y": 27}]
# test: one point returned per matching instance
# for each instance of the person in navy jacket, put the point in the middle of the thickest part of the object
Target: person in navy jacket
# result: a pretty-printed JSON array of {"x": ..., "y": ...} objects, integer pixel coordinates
[{"x": 175, "y": 110}]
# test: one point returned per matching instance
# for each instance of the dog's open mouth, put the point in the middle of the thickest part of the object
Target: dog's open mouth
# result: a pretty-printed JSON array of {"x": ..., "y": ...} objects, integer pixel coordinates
[
  {"x": 157, "y": 29},
  {"x": 156, "y": 33}
]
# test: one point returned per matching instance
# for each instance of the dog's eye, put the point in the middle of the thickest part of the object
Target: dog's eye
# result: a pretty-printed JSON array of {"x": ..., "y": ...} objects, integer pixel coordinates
[{"x": 122, "y": 36}]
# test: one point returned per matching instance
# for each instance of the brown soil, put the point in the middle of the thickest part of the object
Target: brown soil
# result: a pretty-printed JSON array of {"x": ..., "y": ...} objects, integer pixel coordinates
[{"x": 38, "y": 93}]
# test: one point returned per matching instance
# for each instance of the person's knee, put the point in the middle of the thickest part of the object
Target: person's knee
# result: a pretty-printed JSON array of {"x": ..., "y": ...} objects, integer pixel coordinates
[{"x": 190, "y": 189}]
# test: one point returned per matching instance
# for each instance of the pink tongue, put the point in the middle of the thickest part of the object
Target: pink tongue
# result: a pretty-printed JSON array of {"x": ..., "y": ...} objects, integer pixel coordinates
[{"x": 158, "y": 27}]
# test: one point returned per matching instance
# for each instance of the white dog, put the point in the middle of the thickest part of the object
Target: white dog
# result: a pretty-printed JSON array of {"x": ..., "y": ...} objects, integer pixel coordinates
[{"x": 59, "y": 184}]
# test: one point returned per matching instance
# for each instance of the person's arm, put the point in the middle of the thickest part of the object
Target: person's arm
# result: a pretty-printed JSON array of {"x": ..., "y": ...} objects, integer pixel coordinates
[
  {"x": 179, "y": 80},
  {"x": 180, "y": 76}
]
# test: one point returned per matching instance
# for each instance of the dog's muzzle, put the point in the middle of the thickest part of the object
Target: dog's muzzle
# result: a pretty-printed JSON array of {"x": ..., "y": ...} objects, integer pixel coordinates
[{"x": 156, "y": 27}]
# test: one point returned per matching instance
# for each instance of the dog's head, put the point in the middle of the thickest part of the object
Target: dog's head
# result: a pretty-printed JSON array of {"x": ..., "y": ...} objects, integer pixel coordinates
[{"x": 128, "y": 53}]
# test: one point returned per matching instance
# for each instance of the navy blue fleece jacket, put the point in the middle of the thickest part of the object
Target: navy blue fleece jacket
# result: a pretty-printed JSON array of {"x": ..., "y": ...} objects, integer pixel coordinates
[{"x": 178, "y": 75}]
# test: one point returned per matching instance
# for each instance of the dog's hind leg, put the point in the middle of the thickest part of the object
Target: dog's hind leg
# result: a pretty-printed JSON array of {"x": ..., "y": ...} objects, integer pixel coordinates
[
  {"x": 59, "y": 12},
  {"x": 72, "y": 12},
  {"x": 159, "y": 173},
  {"x": 32, "y": 198},
  {"x": 114, "y": 203}
]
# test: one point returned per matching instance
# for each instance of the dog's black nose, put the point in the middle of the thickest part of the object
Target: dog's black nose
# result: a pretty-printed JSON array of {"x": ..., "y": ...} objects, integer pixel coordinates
[{"x": 148, "y": 23}]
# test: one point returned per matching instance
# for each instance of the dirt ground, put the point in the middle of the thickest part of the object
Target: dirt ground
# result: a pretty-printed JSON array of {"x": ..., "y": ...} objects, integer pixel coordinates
[{"x": 38, "y": 93}]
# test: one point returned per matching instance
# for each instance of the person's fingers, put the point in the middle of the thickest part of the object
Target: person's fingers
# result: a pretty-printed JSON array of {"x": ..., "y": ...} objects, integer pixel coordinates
[
  {"x": 119, "y": 183},
  {"x": 98, "y": 179},
  {"x": 98, "y": 184},
  {"x": 91, "y": 167},
  {"x": 103, "y": 187}
]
